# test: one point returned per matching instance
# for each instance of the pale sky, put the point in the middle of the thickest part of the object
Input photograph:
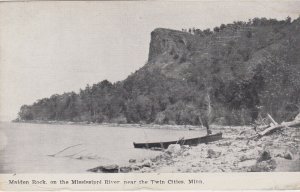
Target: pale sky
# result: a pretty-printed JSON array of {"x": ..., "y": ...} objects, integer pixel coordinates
[{"x": 57, "y": 47}]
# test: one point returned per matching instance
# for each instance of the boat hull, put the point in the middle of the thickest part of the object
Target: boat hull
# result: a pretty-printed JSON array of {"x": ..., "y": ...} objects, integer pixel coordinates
[{"x": 190, "y": 142}]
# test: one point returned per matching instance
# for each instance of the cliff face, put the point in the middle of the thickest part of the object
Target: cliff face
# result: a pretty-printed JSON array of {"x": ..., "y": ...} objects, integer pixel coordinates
[
  {"x": 241, "y": 69},
  {"x": 168, "y": 50},
  {"x": 167, "y": 43}
]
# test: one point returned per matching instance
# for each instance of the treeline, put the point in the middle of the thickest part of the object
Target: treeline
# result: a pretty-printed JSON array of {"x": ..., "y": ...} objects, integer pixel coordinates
[
  {"x": 144, "y": 97},
  {"x": 238, "y": 25},
  {"x": 239, "y": 80}
]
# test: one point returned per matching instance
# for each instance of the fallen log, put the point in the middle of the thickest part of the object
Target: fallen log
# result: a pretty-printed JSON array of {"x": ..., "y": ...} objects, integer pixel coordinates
[{"x": 277, "y": 127}]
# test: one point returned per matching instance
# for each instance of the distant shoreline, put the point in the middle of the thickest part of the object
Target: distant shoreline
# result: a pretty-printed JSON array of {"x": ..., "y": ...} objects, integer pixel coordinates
[{"x": 152, "y": 126}]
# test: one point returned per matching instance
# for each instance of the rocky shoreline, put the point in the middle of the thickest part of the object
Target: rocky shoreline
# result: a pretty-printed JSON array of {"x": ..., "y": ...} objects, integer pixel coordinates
[{"x": 235, "y": 153}]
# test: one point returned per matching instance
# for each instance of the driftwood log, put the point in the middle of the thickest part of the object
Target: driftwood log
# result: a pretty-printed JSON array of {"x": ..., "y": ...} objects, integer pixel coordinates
[
  {"x": 268, "y": 129},
  {"x": 279, "y": 126}
]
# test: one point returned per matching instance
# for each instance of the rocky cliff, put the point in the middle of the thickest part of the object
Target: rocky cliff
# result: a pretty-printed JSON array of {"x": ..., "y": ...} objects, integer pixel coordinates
[{"x": 169, "y": 43}]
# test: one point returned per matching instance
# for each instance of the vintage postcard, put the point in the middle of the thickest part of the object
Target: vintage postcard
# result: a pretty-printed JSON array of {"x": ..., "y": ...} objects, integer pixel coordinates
[{"x": 140, "y": 95}]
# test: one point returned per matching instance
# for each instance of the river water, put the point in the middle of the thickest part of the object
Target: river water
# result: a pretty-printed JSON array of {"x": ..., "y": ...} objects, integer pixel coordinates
[{"x": 25, "y": 147}]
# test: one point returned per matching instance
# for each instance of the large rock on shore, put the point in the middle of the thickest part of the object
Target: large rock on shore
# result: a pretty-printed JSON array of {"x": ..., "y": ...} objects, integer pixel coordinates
[
  {"x": 264, "y": 156},
  {"x": 105, "y": 169},
  {"x": 213, "y": 154},
  {"x": 174, "y": 149}
]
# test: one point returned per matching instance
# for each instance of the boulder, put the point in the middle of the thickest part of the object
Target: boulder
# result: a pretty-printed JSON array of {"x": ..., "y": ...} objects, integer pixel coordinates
[
  {"x": 186, "y": 153},
  {"x": 145, "y": 163},
  {"x": 135, "y": 167},
  {"x": 264, "y": 156},
  {"x": 132, "y": 160},
  {"x": 284, "y": 154},
  {"x": 105, "y": 169},
  {"x": 125, "y": 169},
  {"x": 213, "y": 154},
  {"x": 288, "y": 155},
  {"x": 174, "y": 149},
  {"x": 278, "y": 153},
  {"x": 145, "y": 170},
  {"x": 110, "y": 169}
]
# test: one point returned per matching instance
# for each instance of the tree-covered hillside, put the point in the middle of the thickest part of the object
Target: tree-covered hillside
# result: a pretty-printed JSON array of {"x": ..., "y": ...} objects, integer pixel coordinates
[{"x": 234, "y": 72}]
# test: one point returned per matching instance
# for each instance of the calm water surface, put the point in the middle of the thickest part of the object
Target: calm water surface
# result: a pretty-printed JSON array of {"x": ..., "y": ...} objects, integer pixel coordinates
[{"x": 24, "y": 147}]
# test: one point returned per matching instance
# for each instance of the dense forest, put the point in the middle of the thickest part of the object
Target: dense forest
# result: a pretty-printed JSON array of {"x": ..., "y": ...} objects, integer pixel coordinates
[{"x": 234, "y": 73}]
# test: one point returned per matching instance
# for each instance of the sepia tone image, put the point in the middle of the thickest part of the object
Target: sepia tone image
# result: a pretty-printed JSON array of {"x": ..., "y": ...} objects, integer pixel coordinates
[{"x": 149, "y": 87}]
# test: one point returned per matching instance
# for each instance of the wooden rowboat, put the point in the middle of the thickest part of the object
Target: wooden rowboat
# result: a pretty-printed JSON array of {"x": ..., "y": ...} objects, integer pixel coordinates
[{"x": 182, "y": 141}]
